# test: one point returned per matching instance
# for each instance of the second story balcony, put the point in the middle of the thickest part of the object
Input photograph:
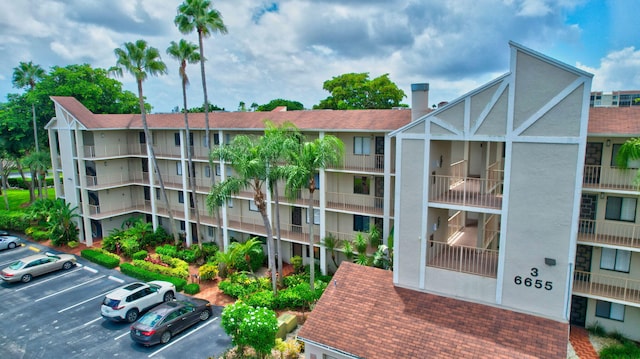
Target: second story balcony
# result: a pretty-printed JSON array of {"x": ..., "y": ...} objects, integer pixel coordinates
[
  {"x": 599, "y": 286},
  {"x": 464, "y": 259},
  {"x": 364, "y": 163},
  {"x": 466, "y": 191}
]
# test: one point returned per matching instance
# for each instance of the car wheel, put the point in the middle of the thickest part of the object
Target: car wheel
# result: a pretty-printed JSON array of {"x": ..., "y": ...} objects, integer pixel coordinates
[
  {"x": 168, "y": 296},
  {"x": 67, "y": 265},
  {"x": 132, "y": 315},
  {"x": 11, "y": 245},
  {"x": 26, "y": 278},
  {"x": 166, "y": 336},
  {"x": 204, "y": 315}
]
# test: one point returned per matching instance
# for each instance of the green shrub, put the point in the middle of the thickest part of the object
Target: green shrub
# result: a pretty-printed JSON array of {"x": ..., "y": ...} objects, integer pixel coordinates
[
  {"x": 109, "y": 242},
  {"x": 37, "y": 234},
  {"x": 142, "y": 254},
  {"x": 129, "y": 246},
  {"x": 626, "y": 350},
  {"x": 156, "y": 238},
  {"x": 167, "y": 250},
  {"x": 72, "y": 244},
  {"x": 160, "y": 269},
  {"x": 192, "y": 288},
  {"x": 145, "y": 275},
  {"x": 235, "y": 290},
  {"x": 99, "y": 257},
  {"x": 296, "y": 262},
  {"x": 596, "y": 329},
  {"x": 262, "y": 298},
  {"x": 187, "y": 255},
  {"x": 209, "y": 250},
  {"x": 295, "y": 279},
  {"x": 208, "y": 271},
  {"x": 14, "y": 221}
]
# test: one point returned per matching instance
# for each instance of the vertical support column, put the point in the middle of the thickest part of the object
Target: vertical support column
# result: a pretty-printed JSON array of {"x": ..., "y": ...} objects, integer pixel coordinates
[{"x": 85, "y": 224}]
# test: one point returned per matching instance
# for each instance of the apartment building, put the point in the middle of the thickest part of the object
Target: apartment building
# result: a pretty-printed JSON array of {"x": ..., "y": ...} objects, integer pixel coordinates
[
  {"x": 615, "y": 98},
  {"x": 491, "y": 199}
]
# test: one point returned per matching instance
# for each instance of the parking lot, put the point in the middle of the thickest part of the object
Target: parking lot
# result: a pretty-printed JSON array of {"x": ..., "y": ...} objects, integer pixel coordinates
[{"x": 58, "y": 316}]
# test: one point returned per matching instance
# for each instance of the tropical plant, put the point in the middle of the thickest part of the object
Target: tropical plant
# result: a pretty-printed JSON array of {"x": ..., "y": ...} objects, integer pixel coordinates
[
  {"x": 381, "y": 257},
  {"x": 26, "y": 75},
  {"x": 249, "y": 160},
  {"x": 38, "y": 163},
  {"x": 347, "y": 249},
  {"x": 250, "y": 326},
  {"x": 360, "y": 242},
  {"x": 303, "y": 165},
  {"x": 141, "y": 60},
  {"x": 331, "y": 244},
  {"x": 374, "y": 236},
  {"x": 629, "y": 151},
  {"x": 186, "y": 52},
  {"x": 61, "y": 224},
  {"x": 199, "y": 15}
]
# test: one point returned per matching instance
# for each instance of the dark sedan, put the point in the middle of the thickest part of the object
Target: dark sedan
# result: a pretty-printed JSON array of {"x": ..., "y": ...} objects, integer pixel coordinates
[{"x": 161, "y": 323}]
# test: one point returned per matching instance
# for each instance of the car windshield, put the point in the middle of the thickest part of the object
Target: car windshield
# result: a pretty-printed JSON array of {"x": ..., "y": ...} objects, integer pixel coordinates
[
  {"x": 16, "y": 265},
  {"x": 150, "y": 319}
]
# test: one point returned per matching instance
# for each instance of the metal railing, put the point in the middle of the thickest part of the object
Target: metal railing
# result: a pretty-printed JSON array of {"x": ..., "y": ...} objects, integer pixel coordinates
[
  {"x": 600, "y": 285},
  {"x": 114, "y": 150},
  {"x": 469, "y": 191},
  {"x": 364, "y": 163},
  {"x": 607, "y": 177},
  {"x": 472, "y": 260},
  {"x": 355, "y": 202},
  {"x": 609, "y": 232}
]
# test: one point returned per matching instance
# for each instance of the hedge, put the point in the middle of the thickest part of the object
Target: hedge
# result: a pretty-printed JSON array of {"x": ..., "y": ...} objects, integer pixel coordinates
[
  {"x": 14, "y": 221},
  {"x": 140, "y": 254},
  {"x": 101, "y": 258},
  {"x": 19, "y": 183},
  {"x": 192, "y": 288},
  {"x": 145, "y": 275}
]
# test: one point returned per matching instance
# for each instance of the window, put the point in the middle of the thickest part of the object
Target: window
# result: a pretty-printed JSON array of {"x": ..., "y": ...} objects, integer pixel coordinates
[
  {"x": 180, "y": 197},
  {"x": 361, "y": 145},
  {"x": 217, "y": 170},
  {"x": 191, "y": 139},
  {"x": 207, "y": 171},
  {"x": 157, "y": 193},
  {"x": 609, "y": 310},
  {"x": 621, "y": 209},
  {"x": 176, "y": 138},
  {"x": 183, "y": 226},
  {"x": 230, "y": 203},
  {"x": 142, "y": 137},
  {"x": 210, "y": 231},
  {"x": 360, "y": 223},
  {"x": 316, "y": 216},
  {"x": 615, "y": 148},
  {"x": 160, "y": 221},
  {"x": 361, "y": 184},
  {"x": 316, "y": 178},
  {"x": 216, "y": 139},
  {"x": 615, "y": 259},
  {"x": 179, "y": 168},
  {"x": 252, "y": 206}
]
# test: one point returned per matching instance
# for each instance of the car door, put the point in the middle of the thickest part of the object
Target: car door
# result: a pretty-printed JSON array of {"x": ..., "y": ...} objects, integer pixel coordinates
[
  {"x": 4, "y": 242},
  {"x": 49, "y": 264},
  {"x": 146, "y": 298},
  {"x": 184, "y": 320}
]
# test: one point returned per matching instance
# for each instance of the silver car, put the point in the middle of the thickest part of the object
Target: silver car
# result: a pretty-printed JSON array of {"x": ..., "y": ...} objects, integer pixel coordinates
[
  {"x": 9, "y": 242},
  {"x": 35, "y": 265}
]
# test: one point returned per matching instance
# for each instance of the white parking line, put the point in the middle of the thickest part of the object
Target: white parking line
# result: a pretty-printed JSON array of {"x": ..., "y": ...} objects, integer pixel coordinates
[
  {"x": 46, "y": 280},
  {"x": 84, "y": 301},
  {"x": 67, "y": 289},
  {"x": 122, "y": 335},
  {"x": 182, "y": 337},
  {"x": 93, "y": 321},
  {"x": 115, "y": 279},
  {"x": 90, "y": 269}
]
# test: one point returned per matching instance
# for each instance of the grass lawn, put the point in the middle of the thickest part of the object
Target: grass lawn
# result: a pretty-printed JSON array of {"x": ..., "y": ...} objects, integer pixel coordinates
[{"x": 19, "y": 199}]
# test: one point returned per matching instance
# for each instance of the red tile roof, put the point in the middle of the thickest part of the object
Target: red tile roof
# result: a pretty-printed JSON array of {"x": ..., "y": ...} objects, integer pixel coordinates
[
  {"x": 364, "y": 314},
  {"x": 612, "y": 121},
  {"x": 335, "y": 120}
]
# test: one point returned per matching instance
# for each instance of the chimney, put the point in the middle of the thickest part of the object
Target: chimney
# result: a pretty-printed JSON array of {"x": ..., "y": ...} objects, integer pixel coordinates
[{"x": 419, "y": 100}]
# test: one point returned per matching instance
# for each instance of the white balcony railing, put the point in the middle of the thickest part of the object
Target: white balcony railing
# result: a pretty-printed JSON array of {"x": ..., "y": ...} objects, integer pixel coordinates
[
  {"x": 607, "y": 177},
  {"x": 364, "y": 163},
  {"x": 114, "y": 150},
  {"x": 355, "y": 203},
  {"x": 483, "y": 262},
  {"x": 599, "y": 285},
  {"x": 609, "y": 232},
  {"x": 468, "y": 191}
]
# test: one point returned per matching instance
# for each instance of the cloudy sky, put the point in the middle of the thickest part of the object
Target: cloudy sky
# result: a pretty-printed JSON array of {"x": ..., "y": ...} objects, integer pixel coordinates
[{"x": 288, "y": 48}]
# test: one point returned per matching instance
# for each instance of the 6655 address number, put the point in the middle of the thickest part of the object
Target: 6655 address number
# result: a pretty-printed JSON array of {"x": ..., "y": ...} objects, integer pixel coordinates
[{"x": 533, "y": 282}]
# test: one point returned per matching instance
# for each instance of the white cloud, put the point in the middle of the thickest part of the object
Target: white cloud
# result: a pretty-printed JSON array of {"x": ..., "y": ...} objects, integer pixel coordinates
[{"x": 619, "y": 70}]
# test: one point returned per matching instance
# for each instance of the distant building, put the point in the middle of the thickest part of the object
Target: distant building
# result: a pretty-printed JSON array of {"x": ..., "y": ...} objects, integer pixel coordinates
[{"x": 615, "y": 99}]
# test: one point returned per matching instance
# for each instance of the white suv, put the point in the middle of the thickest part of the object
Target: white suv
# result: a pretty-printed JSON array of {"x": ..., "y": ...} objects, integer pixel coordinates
[{"x": 126, "y": 302}]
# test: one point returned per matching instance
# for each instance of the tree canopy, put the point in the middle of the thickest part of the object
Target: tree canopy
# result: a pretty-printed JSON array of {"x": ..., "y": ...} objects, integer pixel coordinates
[
  {"x": 355, "y": 91},
  {"x": 291, "y": 105}
]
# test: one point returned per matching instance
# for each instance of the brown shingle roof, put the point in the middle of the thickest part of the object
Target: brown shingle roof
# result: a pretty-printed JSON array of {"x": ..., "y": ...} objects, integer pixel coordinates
[
  {"x": 340, "y": 120},
  {"x": 366, "y": 315}
]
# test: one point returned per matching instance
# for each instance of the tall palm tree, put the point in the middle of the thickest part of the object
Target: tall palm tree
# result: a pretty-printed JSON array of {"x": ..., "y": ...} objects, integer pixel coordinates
[
  {"x": 277, "y": 142},
  {"x": 26, "y": 75},
  {"x": 38, "y": 163},
  {"x": 199, "y": 15},
  {"x": 300, "y": 173},
  {"x": 142, "y": 60},
  {"x": 186, "y": 52},
  {"x": 247, "y": 158}
]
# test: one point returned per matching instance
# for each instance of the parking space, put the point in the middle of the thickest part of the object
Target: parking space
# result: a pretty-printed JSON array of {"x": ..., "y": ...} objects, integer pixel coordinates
[{"x": 58, "y": 315}]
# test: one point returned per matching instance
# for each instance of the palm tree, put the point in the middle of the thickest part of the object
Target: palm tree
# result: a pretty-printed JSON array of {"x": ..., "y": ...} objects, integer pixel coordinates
[
  {"x": 61, "y": 223},
  {"x": 185, "y": 52},
  {"x": 200, "y": 15},
  {"x": 247, "y": 158},
  {"x": 38, "y": 163},
  {"x": 276, "y": 142},
  {"x": 629, "y": 151},
  {"x": 300, "y": 173},
  {"x": 26, "y": 75},
  {"x": 141, "y": 60}
]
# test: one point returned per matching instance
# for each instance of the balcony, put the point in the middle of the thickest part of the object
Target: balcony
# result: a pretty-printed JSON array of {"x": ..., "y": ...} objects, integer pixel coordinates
[
  {"x": 364, "y": 163},
  {"x": 356, "y": 203},
  {"x": 115, "y": 150},
  {"x": 601, "y": 286},
  {"x": 463, "y": 259},
  {"x": 102, "y": 211},
  {"x": 608, "y": 178},
  {"x": 614, "y": 233},
  {"x": 466, "y": 191},
  {"x": 97, "y": 183},
  {"x": 255, "y": 225}
]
